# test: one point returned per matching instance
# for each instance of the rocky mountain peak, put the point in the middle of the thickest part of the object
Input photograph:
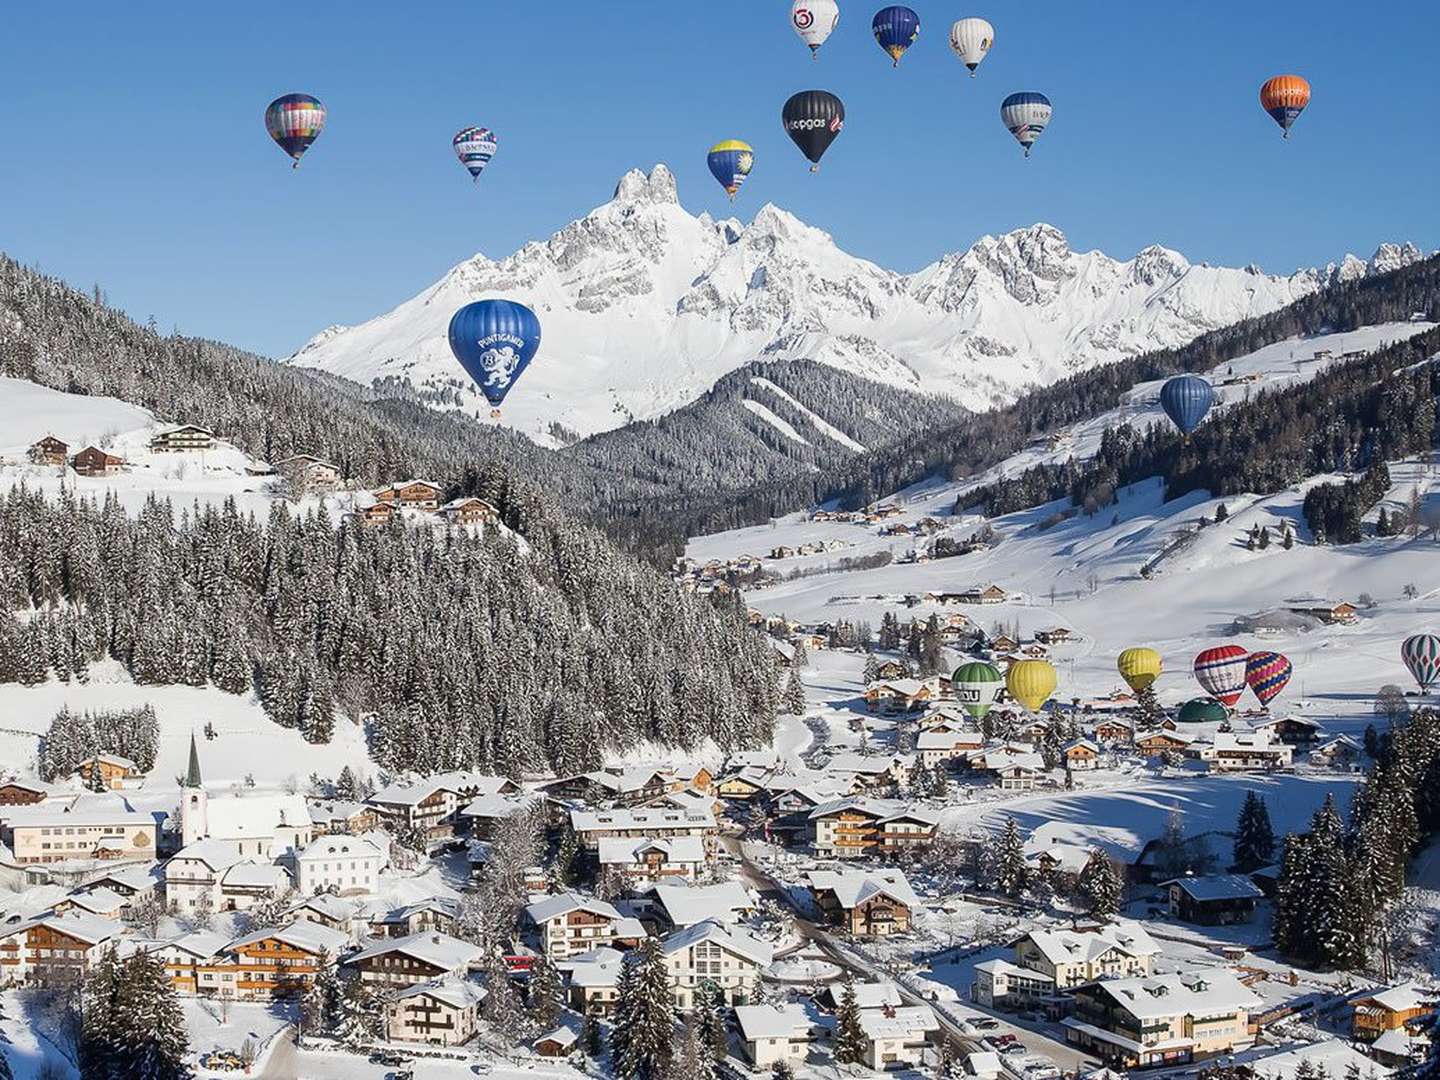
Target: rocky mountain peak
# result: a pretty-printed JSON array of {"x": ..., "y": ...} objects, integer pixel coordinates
[{"x": 656, "y": 187}]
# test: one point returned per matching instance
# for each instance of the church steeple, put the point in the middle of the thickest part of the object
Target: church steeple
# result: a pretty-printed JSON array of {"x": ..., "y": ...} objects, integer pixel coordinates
[{"x": 192, "y": 774}]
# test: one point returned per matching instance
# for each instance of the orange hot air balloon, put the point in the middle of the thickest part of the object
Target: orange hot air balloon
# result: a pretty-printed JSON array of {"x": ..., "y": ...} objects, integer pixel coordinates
[{"x": 1284, "y": 97}]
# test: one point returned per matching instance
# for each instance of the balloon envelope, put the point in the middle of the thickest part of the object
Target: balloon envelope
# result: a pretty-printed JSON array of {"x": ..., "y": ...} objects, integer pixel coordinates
[
  {"x": 1186, "y": 399},
  {"x": 1221, "y": 672},
  {"x": 812, "y": 119},
  {"x": 730, "y": 163},
  {"x": 814, "y": 21},
  {"x": 1202, "y": 710},
  {"x": 1139, "y": 667},
  {"x": 1267, "y": 673},
  {"x": 295, "y": 121},
  {"x": 494, "y": 340},
  {"x": 1421, "y": 653},
  {"x": 475, "y": 146},
  {"x": 971, "y": 40},
  {"x": 1284, "y": 97},
  {"x": 1031, "y": 682},
  {"x": 1026, "y": 114},
  {"x": 977, "y": 687},
  {"x": 895, "y": 29}
]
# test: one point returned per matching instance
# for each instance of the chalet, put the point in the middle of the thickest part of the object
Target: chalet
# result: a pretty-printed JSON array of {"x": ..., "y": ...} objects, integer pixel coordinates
[
  {"x": 185, "y": 956},
  {"x": 469, "y": 510},
  {"x": 411, "y": 495},
  {"x": 680, "y": 906},
  {"x": 215, "y": 875},
  {"x": 711, "y": 956},
  {"x": 49, "y": 451},
  {"x": 1081, "y": 755},
  {"x": 940, "y": 748},
  {"x": 593, "y": 978},
  {"x": 324, "y": 910},
  {"x": 1291, "y": 730},
  {"x": 1071, "y": 958},
  {"x": 1246, "y": 751},
  {"x": 999, "y": 984},
  {"x": 46, "y": 834},
  {"x": 875, "y": 903},
  {"x": 771, "y": 1034},
  {"x": 433, "y": 804},
  {"x": 897, "y": 1038},
  {"x": 1341, "y": 750},
  {"x": 480, "y": 818},
  {"x": 434, "y": 914},
  {"x": 445, "y": 1012},
  {"x": 1213, "y": 899},
  {"x": 745, "y": 784},
  {"x": 882, "y": 512},
  {"x": 131, "y": 880},
  {"x": 271, "y": 963},
  {"x": 855, "y": 826},
  {"x": 92, "y": 461},
  {"x": 892, "y": 669},
  {"x": 378, "y": 513},
  {"x": 1162, "y": 741},
  {"x": 557, "y": 1042},
  {"x": 1114, "y": 729},
  {"x": 1034, "y": 650},
  {"x": 1002, "y": 644},
  {"x": 184, "y": 439},
  {"x": 900, "y": 695},
  {"x": 397, "y": 963},
  {"x": 1056, "y": 861},
  {"x": 988, "y": 594},
  {"x": 333, "y": 816},
  {"x": 873, "y": 770},
  {"x": 781, "y": 552},
  {"x": 112, "y": 769},
  {"x": 1056, "y": 635},
  {"x": 61, "y": 949},
  {"x": 1406, "y": 1008},
  {"x": 592, "y": 826},
  {"x": 309, "y": 473},
  {"x": 19, "y": 792},
  {"x": 1163, "y": 1019},
  {"x": 1015, "y": 770},
  {"x": 678, "y": 858},
  {"x": 1330, "y": 612},
  {"x": 868, "y": 996},
  {"x": 570, "y": 924}
]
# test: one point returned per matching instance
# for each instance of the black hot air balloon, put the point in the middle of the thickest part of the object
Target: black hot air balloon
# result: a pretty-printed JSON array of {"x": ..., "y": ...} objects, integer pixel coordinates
[{"x": 812, "y": 119}]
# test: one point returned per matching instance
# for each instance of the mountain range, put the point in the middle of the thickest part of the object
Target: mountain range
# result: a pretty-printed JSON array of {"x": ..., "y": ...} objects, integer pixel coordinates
[{"x": 646, "y": 306}]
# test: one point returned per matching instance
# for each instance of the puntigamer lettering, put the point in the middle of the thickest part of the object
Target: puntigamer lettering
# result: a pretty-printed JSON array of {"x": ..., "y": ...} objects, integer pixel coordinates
[{"x": 497, "y": 339}]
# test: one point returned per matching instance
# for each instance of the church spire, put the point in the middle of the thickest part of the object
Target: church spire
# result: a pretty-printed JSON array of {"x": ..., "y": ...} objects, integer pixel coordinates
[{"x": 192, "y": 774}]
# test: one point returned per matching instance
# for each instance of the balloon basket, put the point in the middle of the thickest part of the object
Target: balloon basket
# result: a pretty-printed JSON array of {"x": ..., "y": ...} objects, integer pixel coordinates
[
  {"x": 814, "y": 168},
  {"x": 494, "y": 414}
]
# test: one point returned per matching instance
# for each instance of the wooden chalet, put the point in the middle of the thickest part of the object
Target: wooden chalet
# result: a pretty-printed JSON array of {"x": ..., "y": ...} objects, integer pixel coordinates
[
  {"x": 469, "y": 511},
  {"x": 92, "y": 461},
  {"x": 22, "y": 793},
  {"x": 411, "y": 495},
  {"x": 113, "y": 769},
  {"x": 49, "y": 451},
  {"x": 186, "y": 438}
]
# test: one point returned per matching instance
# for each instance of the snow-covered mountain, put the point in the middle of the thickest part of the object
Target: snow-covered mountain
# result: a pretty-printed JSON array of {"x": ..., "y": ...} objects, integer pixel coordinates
[{"x": 645, "y": 306}]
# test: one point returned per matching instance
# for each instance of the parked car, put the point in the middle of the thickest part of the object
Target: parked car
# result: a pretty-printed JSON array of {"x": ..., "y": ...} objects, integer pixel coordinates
[{"x": 986, "y": 1023}]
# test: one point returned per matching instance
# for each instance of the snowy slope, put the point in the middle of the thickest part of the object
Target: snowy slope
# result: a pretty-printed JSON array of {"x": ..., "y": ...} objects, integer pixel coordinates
[
  {"x": 645, "y": 306},
  {"x": 1092, "y": 564}
]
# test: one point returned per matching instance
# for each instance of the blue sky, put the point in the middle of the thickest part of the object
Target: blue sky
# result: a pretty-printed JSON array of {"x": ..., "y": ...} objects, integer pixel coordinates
[{"x": 136, "y": 155}]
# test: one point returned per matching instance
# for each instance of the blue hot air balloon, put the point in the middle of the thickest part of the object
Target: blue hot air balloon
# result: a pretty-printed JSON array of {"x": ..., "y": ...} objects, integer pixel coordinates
[
  {"x": 494, "y": 340},
  {"x": 1186, "y": 399},
  {"x": 895, "y": 29}
]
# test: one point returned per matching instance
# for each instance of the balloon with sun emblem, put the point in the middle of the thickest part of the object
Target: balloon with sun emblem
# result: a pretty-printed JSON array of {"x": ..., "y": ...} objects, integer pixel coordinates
[{"x": 730, "y": 163}]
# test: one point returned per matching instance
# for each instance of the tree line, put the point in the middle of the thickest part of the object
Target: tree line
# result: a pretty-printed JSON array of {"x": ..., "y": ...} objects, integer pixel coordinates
[{"x": 75, "y": 737}]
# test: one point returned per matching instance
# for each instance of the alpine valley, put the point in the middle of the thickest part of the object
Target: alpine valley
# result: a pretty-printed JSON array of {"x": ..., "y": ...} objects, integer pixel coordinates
[{"x": 646, "y": 307}]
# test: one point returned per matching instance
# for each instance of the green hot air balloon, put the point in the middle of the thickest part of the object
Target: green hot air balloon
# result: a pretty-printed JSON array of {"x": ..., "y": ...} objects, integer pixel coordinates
[
  {"x": 977, "y": 687},
  {"x": 1202, "y": 711}
]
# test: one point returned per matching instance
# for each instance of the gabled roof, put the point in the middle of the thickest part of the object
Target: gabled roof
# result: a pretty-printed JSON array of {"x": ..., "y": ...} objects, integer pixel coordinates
[
  {"x": 439, "y": 950},
  {"x": 97, "y": 900},
  {"x": 1210, "y": 992},
  {"x": 651, "y": 818},
  {"x": 339, "y": 846},
  {"x": 1402, "y": 998},
  {"x": 624, "y": 851},
  {"x": 218, "y": 855},
  {"x": 331, "y": 907},
  {"x": 552, "y": 907},
  {"x": 243, "y": 817},
  {"x": 201, "y": 944},
  {"x": 307, "y": 936},
  {"x": 91, "y": 929},
  {"x": 256, "y": 875},
  {"x": 902, "y": 1023},
  {"x": 686, "y": 905},
  {"x": 456, "y": 992},
  {"x": 1070, "y": 946},
  {"x": 774, "y": 1021},
  {"x": 1218, "y": 887},
  {"x": 854, "y": 887},
  {"x": 728, "y": 938}
]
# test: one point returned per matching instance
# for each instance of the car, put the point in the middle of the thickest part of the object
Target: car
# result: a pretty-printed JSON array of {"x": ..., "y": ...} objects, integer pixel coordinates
[
  {"x": 482, "y": 1068},
  {"x": 986, "y": 1023},
  {"x": 1013, "y": 1048},
  {"x": 384, "y": 1057}
]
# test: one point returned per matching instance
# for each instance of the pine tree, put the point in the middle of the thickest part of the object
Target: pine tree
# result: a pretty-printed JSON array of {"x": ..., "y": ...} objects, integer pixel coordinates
[
  {"x": 1150, "y": 714},
  {"x": 590, "y": 1040},
  {"x": 100, "y": 1037},
  {"x": 1012, "y": 874},
  {"x": 155, "y": 1023},
  {"x": 871, "y": 672},
  {"x": 795, "y": 695},
  {"x": 782, "y": 1071},
  {"x": 1264, "y": 541},
  {"x": 1254, "y": 836},
  {"x": 710, "y": 1022},
  {"x": 321, "y": 1008},
  {"x": 361, "y": 1017},
  {"x": 647, "y": 1017},
  {"x": 94, "y": 779},
  {"x": 345, "y": 786},
  {"x": 1100, "y": 885},
  {"x": 1221, "y": 513},
  {"x": 502, "y": 1008},
  {"x": 850, "y": 1042},
  {"x": 1287, "y": 537},
  {"x": 547, "y": 994}
]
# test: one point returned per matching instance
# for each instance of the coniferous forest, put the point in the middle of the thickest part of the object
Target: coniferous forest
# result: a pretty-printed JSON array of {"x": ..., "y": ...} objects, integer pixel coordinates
[{"x": 501, "y": 650}]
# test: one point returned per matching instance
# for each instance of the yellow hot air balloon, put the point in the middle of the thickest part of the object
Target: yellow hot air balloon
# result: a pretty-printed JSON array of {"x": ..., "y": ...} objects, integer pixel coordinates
[
  {"x": 1139, "y": 667},
  {"x": 1031, "y": 682}
]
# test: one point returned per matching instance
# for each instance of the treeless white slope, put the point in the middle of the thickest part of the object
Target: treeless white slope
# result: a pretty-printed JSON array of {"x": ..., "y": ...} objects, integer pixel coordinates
[{"x": 645, "y": 306}]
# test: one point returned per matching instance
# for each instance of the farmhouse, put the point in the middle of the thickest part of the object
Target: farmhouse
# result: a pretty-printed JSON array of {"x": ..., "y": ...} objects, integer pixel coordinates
[
  {"x": 445, "y": 1012},
  {"x": 411, "y": 495},
  {"x": 1213, "y": 900},
  {"x": 112, "y": 769},
  {"x": 875, "y": 903},
  {"x": 19, "y": 792},
  {"x": 186, "y": 438},
  {"x": 309, "y": 473},
  {"x": 92, "y": 461},
  {"x": 1246, "y": 751},
  {"x": 49, "y": 451},
  {"x": 1330, "y": 612},
  {"x": 402, "y": 962},
  {"x": 469, "y": 511}
]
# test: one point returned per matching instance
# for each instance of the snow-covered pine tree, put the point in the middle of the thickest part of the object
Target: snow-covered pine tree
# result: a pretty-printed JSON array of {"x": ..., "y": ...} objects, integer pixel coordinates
[
  {"x": 502, "y": 1008},
  {"x": 795, "y": 695},
  {"x": 709, "y": 1016},
  {"x": 100, "y": 1037},
  {"x": 1148, "y": 709},
  {"x": 361, "y": 1015},
  {"x": 345, "y": 787},
  {"x": 1254, "y": 836},
  {"x": 1100, "y": 885},
  {"x": 321, "y": 1008},
  {"x": 650, "y": 1020},
  {"x": 547, "y": 994},
  {"x": 850, "y": 1043},
  {"x": 155, "y": 1040},
  {"x": 1012, "y": 874}
]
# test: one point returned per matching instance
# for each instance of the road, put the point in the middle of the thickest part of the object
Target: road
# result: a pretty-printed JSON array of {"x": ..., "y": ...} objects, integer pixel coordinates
[{"x": 850, "y": 958}]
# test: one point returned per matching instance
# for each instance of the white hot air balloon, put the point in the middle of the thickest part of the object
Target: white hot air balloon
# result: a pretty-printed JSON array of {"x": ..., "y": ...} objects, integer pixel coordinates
[
  {"x": 1026, "y": 114},
  {"x": 814, "y": 20},
  {"x": 971, "y": 39}
]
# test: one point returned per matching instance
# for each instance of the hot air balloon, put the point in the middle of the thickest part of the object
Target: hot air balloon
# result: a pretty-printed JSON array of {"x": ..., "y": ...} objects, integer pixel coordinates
[
  {"x": 1267, "y": 673},
  {"x": 1221, "y": 673},
  {"x": 1421, "y": 653},
  {"x": 475, "y": 146},
  {"x": 294, "y": 122},
  {"x": 1139, "y": 667},
  {"x": 977, "y": 686},
  {"x": 812, "y": 119},
  {"x": 1284, "y": 97},
  {"x": 971, "y": 40},
  {"x": 1202, "y": 710},
  {"x": 730, "y": 163},
  {"x": 814, "y": 21},
  {"x": 895, "y": 29},
  {"x": 1026, "y": 114},
  {"x": 1186, "y": 399},
  {"x": 1031, "y": 682},
  {"x": 494, "y": 340}
]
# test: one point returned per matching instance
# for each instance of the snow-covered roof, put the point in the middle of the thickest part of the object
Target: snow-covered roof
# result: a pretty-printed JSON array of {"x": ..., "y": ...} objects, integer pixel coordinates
[
  {"x": 244, "y": 817},
  {"x": 201, "y": 944},
  {"x": 496, "y": 806},
  {"x": 1070, "y": 858},
  {"x": 880, "y": 809},
  {"x": 307, "y": 936},
  {"x": 49, "y": 815},
  {"x": 854, "y": 887},
  {"x": 625, "y": 851},
  {"x": 97, "y": 900},
  {"x": 1211, "y": 992},
  {"x": 1000, "y": 966},
  {"x": 218, "y": 855},
  {"x": 1218, "y": 887},
  {"x": 552, "y": 907},
  {"x": 983, "y": 1063},
  {"x": 653, "y": 818},
  {"x": 1070, "y": 946},
  {"x": 331, "y": 907},
  {"x": 1333, "y": 1055},
  {"x": 339, "y": 846},
  {"x": 728, "y": 938},
  {"x": 456, "y": 992},
  {"x": 257, "y": 875},
  {"x": 410, "y": 792},
  {"x": 903, "y": 1023},
  {"x": 861, "y": 764},
  {"x": 439, "y": 950},
  {"x": 946, "y": 740},
  {"x": 686, "y": 905},
  {"x": 773, "y": 1021},
  {"x": 1402, "y": 998},
  {"x": 83, "y": 926}
]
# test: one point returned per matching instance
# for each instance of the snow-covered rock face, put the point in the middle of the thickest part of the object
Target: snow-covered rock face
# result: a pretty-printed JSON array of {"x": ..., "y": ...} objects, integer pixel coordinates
[{"x": 645, "y": 306}]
